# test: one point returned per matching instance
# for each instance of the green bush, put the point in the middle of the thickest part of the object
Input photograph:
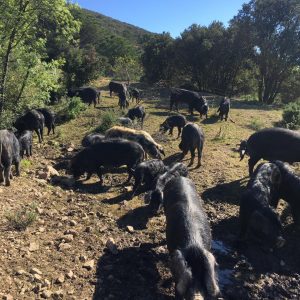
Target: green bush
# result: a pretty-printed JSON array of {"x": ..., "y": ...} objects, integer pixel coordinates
[
  {"x": 291, "y": 115},
  {"x": 74, "y": 108},
  {"x": 109, "y": 119}
]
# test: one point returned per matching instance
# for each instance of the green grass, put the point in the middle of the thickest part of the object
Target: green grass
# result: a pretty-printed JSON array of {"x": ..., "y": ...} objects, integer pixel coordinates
[
  {"x": 21, "y": 218},
  {"x": 256, "y": 124}
]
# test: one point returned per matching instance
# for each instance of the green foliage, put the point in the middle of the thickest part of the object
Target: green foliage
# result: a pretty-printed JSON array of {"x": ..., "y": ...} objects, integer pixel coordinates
[
  {"x": 291, "y": 115},
  {"x": 271, "y": 25},
  {"x": 22, "y": 218},
  {"x": 109, "y": 119},
  {"x": 74, "y": 107},
  {"x": 127, "y": 68},
  {"x": 256, "y": 124},
  {"x": 157, "y": 58},
  {"x": 25, "y": 164},
  {"x": 290, "y": 89},
  {"x": 27, "y": 75}
]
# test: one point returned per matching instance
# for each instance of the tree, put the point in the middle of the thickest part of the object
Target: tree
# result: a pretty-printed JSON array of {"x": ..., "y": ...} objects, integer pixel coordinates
[
  {"x": 273, "y": 30},
  {"x": 127, "y": 68},
  {"x": 23, "y": 37},
  {"x": 157, "y": 58}
]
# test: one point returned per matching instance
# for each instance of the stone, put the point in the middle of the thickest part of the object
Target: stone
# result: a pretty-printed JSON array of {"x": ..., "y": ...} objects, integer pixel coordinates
[
  {"x": 88, "y": 229},
  {"x": 8, "y": 297},
  {"x": 46, "y": 294},
  {"x": 34, "y": 246},
  {"x": 64, "y": 246},
  {"x": 73, "y": 223},
  {"x": 37, "y": 278},
  {"x": 111, "y": 246},
  {"x": 89, "y": 265},
  {"x": 130, "y": 229},
  {"x": 67, "y": 238},
  {"x": 71, "y": 231},
  {"x": 21, "y": 272},
  {"x": 70, "y": 274},
  {"x": 60, "y": 279},
  {"x": 35, "y": 271}
]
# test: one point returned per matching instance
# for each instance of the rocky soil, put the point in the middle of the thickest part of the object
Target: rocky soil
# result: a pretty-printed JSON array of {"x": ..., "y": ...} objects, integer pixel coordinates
[{"x": 93, "y": 242}]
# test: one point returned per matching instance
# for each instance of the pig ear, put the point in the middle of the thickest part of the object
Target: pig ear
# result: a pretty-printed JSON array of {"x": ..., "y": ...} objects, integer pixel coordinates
[
  {"x": 181, "y": 272},
  {"x": 210, "y": 278}
]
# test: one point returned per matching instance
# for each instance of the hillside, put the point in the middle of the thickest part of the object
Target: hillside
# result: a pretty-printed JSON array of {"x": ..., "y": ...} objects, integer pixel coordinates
[
  {"x": 130, "y": 32},
  {"x": 66, "y": 254}
]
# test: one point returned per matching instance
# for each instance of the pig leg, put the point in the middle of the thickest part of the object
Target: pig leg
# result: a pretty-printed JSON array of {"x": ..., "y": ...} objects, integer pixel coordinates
[
  {"x": 199, "y": 156},
  {"x": 136, "y": 186},
  {"x": 17, "y": 166},
  {"x": 192, "y": 157},
  {"x": 129, "y": 171},
  {"x": 39, "y": 135},
  {"x": 7, "y": 174},
  {"x": 251, "y": 163},
  {"x": 99, "y": 173},
  {"x": 1, "y": 172},
  {"x": 179, "y": 132}
]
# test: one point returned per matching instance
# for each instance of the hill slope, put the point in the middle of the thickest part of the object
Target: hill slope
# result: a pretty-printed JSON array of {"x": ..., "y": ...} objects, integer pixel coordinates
[{"x": 130, "y": 32}]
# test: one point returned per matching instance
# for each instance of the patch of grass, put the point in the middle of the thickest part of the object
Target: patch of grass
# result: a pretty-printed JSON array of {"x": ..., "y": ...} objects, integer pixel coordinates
[
  {"x": 109, "y": 119},
  {"x": 22, "y": 218},
  {"x": 25, "y": 164},
  {"x": 255, "y": 124}
]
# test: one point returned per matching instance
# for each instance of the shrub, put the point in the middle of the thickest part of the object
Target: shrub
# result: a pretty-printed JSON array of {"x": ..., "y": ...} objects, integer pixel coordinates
[
  {"x": 291, "y": 115},
  {"x": 256, "y": 124},
  {"x": 109, "y": 119},
  {"x": 74, "y": 108},
  {"x": 22, "y": 218}
]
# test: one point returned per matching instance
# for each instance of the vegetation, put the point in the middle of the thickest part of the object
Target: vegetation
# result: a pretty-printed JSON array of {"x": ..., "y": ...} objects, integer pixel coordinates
[
  {"x": 22, "y": 218},
  {"x": 109, "y": 119},
  {"x": 255, "y": 124},
  {"x": 258, "y": 53},
  {"x": 291, "y": 115}
]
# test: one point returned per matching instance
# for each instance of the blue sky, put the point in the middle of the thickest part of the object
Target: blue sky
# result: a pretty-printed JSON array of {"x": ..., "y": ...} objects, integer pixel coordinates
[{"x": 166, "y": 15}]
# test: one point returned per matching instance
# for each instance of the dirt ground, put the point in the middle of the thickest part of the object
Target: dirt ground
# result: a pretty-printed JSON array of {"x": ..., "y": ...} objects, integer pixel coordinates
[{"x": 64, "y": 253}]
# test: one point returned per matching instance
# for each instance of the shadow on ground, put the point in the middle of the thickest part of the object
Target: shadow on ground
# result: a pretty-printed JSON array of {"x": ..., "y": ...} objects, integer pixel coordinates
[
  {"x": 135, "y": 274},
  {"x": 229, "y": 192}
]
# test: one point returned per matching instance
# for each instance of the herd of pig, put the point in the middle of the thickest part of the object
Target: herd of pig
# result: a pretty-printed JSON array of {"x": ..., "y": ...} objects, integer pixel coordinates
[{"x": 188, "y": 233}]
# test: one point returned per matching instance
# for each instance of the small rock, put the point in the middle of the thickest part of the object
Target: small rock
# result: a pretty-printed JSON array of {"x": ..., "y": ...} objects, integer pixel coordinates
[
  {"x": 35, "y": 271},
  {"x": 130, "y": 229},
  {"x": 111, "y": 246},
  {"x": 89, "y": 265},
  {"x": 46, "y": 283},
  {"x": 58, "y": 295},
  {"x": 33, "y": 246},
  {"x": 46, "y": 294},
  {"x": 70, "y": 274},
  {"x": 8, "y": 297},
  {"x": 60, "y": 279},
  {"x": 71, "y": 231},
  {"x": 21, "y": 272},
  {"x": 64, "y": 246},
  {"x": 73, "y": 223},
  {"x": 67, "y": 238},
  {"x": 37, "y": 278}
]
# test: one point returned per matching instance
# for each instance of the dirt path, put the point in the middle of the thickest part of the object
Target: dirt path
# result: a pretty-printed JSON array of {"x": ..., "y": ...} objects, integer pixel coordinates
[{"x": 64, "y": 253}]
